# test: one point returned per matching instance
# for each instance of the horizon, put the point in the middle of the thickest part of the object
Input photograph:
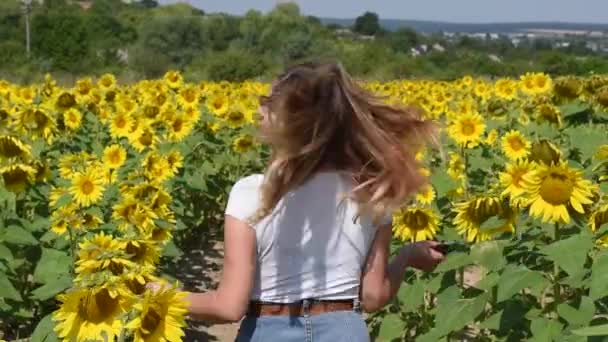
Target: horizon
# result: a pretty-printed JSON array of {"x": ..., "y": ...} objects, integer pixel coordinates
[{"x": 463, "y": 12}]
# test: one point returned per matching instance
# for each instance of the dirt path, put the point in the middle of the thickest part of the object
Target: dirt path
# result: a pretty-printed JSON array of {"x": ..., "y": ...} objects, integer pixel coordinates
[{"x": 199, "y": 270}]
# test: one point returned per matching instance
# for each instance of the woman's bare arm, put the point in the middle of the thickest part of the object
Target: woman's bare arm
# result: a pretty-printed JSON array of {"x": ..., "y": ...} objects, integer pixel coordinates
[{"x": 230, "y": 301}]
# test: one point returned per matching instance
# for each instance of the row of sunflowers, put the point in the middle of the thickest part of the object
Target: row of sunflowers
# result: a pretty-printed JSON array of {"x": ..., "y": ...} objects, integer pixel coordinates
[{"x": 100, "y": 180}]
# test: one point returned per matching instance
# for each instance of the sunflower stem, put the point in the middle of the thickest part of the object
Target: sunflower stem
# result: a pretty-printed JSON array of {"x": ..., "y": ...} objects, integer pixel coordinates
[
  {"x": 556, "y": 286},
  {"x": 72, "y": 250},
  {"x": 461, "y": 277}
]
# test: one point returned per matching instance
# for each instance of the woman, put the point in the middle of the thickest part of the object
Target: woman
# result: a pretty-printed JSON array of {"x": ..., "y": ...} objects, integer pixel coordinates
[{"x": 307, "y": 243}]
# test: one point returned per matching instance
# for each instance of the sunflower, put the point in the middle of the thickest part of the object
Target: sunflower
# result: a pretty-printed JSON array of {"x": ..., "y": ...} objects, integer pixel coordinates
[
  {"x": 35, "y": 122},
  {"x": 126, "y": 104},
  {"x": 72, "y": 118},
  {"x": 188, "y": 97},
  {"x": 415, "y": 224},
  {"x": 601, "y": 153},
  {"x": 218, "y": 105},
  {"x": 84, "y": 90},
  {"x": 173, "y": 79},
  {"x": 175, "y": 161},
  {"x": 491, "y": 137},
  {"x": 120, "y": 125},
  {"x": 483, "y": 217},
  {"x": 601, "y": 99},
  {"x": 114, "y": 156},
  {"x": 156, "y": 167},
  {"x": 543, "y": 83},
  {"x": 11, "y": 147},
  {"x": 598, "y": 218},
  {"x": 426, "y": 195},
  {"x": 549, "y": 113},
  {"x": 107, "y": 82},
  {"x": 160, "y": 316},
  {"x": 515, "y": 146},
  {"x": 142, "y": 252},
  {"x": 143, "y": 137},
  {"x": 511, "y": 180},
  {"x": 90, "y": 314},
  {"x": 17, "y": 177},
  {"x": 456, "y": 167},
  {"x": 467, "y": 129},
  {"x": 179, "y": 127},
  {"x": 87, "y": 188},
  {"x": 568, "y": 88},
  {"x": 102, "y": 252},
  {"x": 552, "y": 190},
  {"x": 235, "y": 117},
  {"x": 64, "y": 100},
  {"x": 242, "y": 144},
  {"x": 543, "y": 151},
  {"x": 505, "y": 89}
]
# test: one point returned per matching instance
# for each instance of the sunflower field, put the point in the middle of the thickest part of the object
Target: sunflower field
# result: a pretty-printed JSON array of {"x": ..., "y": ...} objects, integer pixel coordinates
[{"x": 101, "y": 182}]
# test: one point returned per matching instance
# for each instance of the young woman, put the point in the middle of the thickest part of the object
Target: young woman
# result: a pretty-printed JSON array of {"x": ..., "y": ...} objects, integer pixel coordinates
[{"x": 307, "y": 242}]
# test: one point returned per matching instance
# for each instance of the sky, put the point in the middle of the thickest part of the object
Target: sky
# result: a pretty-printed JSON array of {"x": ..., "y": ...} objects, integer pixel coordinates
[{"x": 486, "y": 11}]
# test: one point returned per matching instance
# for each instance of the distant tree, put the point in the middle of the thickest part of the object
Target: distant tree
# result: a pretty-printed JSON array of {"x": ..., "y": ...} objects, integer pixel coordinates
[
  {"x": 149, "y": 3},
  {"x": 288, "y": 8},
  {"x": 404, "y": 39},
  {"x": 367, "y": 24},
  {"x": 62, "y": 38},
  {"x": 179, "y": 39}
]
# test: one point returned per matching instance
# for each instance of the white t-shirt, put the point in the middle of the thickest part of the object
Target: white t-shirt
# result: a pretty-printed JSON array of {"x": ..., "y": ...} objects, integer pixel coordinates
[{"x": 310, "y": 246}]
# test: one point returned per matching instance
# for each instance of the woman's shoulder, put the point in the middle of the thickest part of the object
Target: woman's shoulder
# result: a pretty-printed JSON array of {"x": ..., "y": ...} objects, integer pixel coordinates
[{"x": 248, "y": 184}]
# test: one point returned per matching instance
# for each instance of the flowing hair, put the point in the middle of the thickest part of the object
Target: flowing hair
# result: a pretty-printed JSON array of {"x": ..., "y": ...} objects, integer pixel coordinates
[{"x": 319, "y": 118}]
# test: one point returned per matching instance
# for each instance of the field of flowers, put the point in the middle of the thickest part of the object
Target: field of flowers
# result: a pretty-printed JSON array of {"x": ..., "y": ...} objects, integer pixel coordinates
[{"x": 101, "y": 182}]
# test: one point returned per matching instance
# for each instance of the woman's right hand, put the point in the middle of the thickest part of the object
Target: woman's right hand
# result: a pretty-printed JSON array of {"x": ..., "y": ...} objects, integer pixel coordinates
[{"x": 423, "y": 255}]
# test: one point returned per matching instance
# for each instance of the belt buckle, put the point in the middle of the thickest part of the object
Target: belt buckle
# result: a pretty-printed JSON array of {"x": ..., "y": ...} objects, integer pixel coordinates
[{"x": 306, "y": 304}]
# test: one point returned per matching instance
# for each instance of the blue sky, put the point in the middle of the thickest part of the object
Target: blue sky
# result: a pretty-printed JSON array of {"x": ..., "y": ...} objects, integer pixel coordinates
[{"x": 588, "y": 11}]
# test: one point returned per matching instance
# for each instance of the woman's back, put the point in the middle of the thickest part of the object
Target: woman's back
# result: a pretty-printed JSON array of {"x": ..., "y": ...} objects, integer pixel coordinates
[{"x": 310, "y": 246}]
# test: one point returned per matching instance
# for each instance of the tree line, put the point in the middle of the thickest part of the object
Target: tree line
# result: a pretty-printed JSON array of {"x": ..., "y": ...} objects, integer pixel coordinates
[{"x": 141, "y": 39}]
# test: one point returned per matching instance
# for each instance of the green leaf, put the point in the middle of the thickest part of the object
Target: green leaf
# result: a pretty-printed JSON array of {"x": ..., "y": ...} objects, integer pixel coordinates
[
  {"x": 19, "y": 236},
  {"x": 569, "y": 254},
  {"x": 545, "y": 330},
  {"x": 7, "y": 290},
  {"x": 462, "y": 312},
  {"x": 454, "y": 261},
  {"x": 516, "y": 278},
  {"x": 44, "y": 331},
  {"x": 598, "y": 285},
  {"x": 38, "y": 225},
  {"x": 442, "y": 183},
  {"x": 492, "y": 223},
  {"x": 171, "y": 250},
  {"x": 488, "y": 254},
  {"x": 577, "y": 317},
  {"x": 5, "y": 253},
  {"x": 52, "y": 265},
  {"x": 63, "y": 200},
  {"x": 597, "y": 330},
  {"x": 411, "y": 296},
  {"x": 488, "y": 281},
  {"x": 52, "y": 288},
  {"x": 492, "y": 322},
  {"x": 392, "y": 327}
]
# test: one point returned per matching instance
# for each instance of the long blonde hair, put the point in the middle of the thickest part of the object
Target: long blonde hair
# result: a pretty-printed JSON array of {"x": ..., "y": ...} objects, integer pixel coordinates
[{"x": 320, "y": 118}]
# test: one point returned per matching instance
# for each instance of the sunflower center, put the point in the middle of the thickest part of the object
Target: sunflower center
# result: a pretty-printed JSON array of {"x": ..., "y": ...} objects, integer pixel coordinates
[
  {"x": 602, "y": 98},
  {"x": 556, "y": 188},
  {"x": 146, "y": 138},
  {"x": 468, "y": 127},
  {"x": 189, "y": 95},
  {"x": 66, "y": 101},
  {"x": 137, "y": 251},
  {"x": 97, "y": 307},
  {"x": 151, "y": 322},
  {"x": 177, "y": 126},
  {"x": 417, "y": 220},
  {"x": 87, "y": 187},
  {"x": 516, "y": 144},
  {"x": 121, "y": 122},
  {"x": 115, "y": 157}
]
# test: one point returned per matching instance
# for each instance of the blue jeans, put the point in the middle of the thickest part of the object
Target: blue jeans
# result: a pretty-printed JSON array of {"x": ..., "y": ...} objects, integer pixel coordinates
[{"x": 339, "y": 326}]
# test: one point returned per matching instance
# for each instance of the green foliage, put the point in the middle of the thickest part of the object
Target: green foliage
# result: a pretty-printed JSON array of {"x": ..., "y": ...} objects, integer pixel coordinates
[{"x": 367, "y": 24}]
